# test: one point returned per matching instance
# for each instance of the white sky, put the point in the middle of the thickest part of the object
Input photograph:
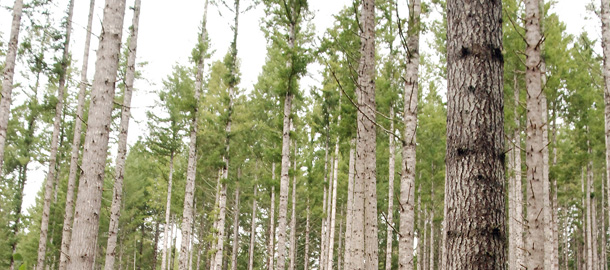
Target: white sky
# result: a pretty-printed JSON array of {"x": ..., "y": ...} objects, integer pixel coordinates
[{"x": 168, "y": 33}]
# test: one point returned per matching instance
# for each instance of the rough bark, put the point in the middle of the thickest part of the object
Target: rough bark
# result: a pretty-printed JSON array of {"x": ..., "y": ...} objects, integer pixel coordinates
[
  {"x": 88, "y": 202},
  {"x": 474, "y": 189},
  {"x": 66, "y": 236},
  {"x": 117, "y": 196},
  {"x": 390, "y": 213},
  {"x": 365, "y": 228},
  {"x": 285, "y": 165},
  {"x": 536, "y": 114},
  {"x": 605, "y": 18},
  {"x": 347, "y": 257},
  {"x": 187, "y": 219},
  {"x": 252, "y": 230},
  {"x": 168, "y": 205},
  {"x": 271, "y": 244},
  {"x": 44, "y": 224},
  {"x": 8, "y": 74},
  {"x": 293, "y": 219},
  {"x": 407, "y": 179}
]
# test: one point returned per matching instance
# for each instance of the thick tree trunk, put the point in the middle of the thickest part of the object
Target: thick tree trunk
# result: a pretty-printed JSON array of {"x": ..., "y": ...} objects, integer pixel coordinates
[
  {"x": 168, "y": 205},
  {"x": 252, "y": 230},
  {"x": 365, "y": 229},
  {"x": 474, "y": 189},
  {"x": 536, "y": 115},
  {"x": 605, "y": 18},
  {"x": 8, "y": 74},
  {"x": 347, "y": 257},
  {"x": 88, "y": 202},
  {"x": 390, "y": 213},
  {"x": 235, "y": 226},
  {"x": 115, "y": 209},
  {"x": 293, "y": 219},
  {"x": 285, "y": 166},
  {"x": 187, "y": 219},
  {"x": 271, "y": 244},
  {"x": 407, "y": 179},
  {"x": 66, "y": 236},
  {"x": 46, "y": 212}
]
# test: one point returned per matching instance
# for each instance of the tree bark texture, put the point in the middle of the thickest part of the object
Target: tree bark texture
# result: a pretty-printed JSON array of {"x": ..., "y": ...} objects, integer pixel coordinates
[
  {"x": 271, "y": 244},
  {"x": 8, "y": 74},
  {"x": 115, "y": 209},
  {"x": 88, "y": 201},
  {"x": 474, "y": 236},
  {"x": 515, "y": 260},
  {"x": 605, "y": 18},
  {"x": 293, "y": 219},
  {"x": 347, "y": 257}
]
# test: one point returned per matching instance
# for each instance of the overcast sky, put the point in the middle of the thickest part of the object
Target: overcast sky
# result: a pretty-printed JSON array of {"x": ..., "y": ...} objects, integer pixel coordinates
[{"x": 168, "y": 33}]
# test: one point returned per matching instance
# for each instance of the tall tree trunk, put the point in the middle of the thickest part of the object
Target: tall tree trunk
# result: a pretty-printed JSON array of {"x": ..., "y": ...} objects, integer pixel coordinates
[
  {"x": 235, "y": 224},
  {"x": 474, "y": 189},
  {"x": 590, "y": 261},
  {"x": 46, "y": 212},
  {"x": 8, "y": 74},
  {"x": 420, "y": 231},
  {"x": 306, "y": 255},
  {"x": 168, "y": 205},
  {"x": 172, "y": 264},
  {"x": 285, "y": 166},
  {"x": 365, "y": 191},
  {"x": 154, "y": 247},
  {"x": 252, "y": 229},
  {"x": 88, "y": 202},
  {"x": 293, "y": 219},
  {"x": 325, "y": 202},
  {"x": 431, "y": 264},
  {"x": 333, "y": 210},
  {"x": 584, "y": 216},
  {"x": 339, "y": 262},
  {"x": 424, "y": 265},
  {"x": 115, "y": 209},
  {"x": 535, "y": 147},
  {"x": 407, "y": 179},
  {"x": 390, "y": 213},
  {"x": 605, "y": 18},
  {"x": 603, "y": 257},
  {"x": 347, "y": 257},
  {"x": 271, "y": 244},
  {"x": 594, "y": 235},
  {"x": 516, "y": 193},
  {"x": 66, "y": 236}
]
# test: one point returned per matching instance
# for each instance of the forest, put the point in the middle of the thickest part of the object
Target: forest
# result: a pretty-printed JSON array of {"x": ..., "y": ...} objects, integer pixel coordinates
[{"x": 404, "y": 134}]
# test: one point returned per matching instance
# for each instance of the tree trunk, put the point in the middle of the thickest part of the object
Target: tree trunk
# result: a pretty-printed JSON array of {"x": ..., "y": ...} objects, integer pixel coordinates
[
  {"x": 536, "y": 114},
  {"x": 172, "y": 264},
  {"x": 474, "y": 189},
  {"x": 66, "y": 236},
  {"x": 407, "y": 179},
  {"x": 603, "y": 257},
  {"x": 333, "y": 210},
  {"x": 235, "y": 224},
  {"x": 271, "y": 244},
  {"x": 325, "y": 202},
  {"x": 594, "y": 235},
  {"x": 115, "y": 210},
  {"x": 306, "y": 255},
  {"x": 88, "y": 202},
  {"x": 590, "y": 260},
  {"x": 432, "y": 231},
  {"x": 424, "y": 265},
  {"x": 44, "y": 224},
  {"x": 252, "y": 230},
  {"x": 516, "y": 193},
  {"x": 293, "y": 219},
  {"x": 154, "y": 247},
  {"x": 605, "y": 18},
  {"x": 168, "y": 206},
  {"x": 420, "y": 232},
  {"x": 347, "y": 257},
  {"x": 285, "y": 166},
  {"x": 390, "y": 213},
  {"x": 339, "y": 262},
  {"x": 8, "y": 74},
  {"x": 365, "y": 191}
]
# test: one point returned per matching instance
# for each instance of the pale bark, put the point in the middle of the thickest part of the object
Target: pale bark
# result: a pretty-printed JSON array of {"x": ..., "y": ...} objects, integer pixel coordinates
[
  {"x": 474, "y": 190},
  {"x": 589, "y": 228},
  {"x": 252, "y": 230},
  {"x": 168, "y": 205},
  {"x": 424, "y": 261},
  {"x": 52, "y": 171},
  {"x": 155, "y": 245},
  {"x": 66, "y": 236},
  {"x": 516, "y": 194},
  {"x": 420, "y": 231},
  {"x": 285, "y": 165},
  {"x": 187, "y": 219},
  {"x": 594, "y": 235},
  {"x": 407, "y": 179},
  {"x": 293, "y": 219},
  {"x": 333, "y": 210},
  {"x": 605, "y": 19},
  {"x": 365, "y": 255},
  {"x": 603, "y": 257},
  {"x": 235, "y": 225},
  {"x": 88, "y": 202},
  {"x": 115, "y": 209},
  {"x": 271, "y": 244},
  {"x": 8, "y": 74},
  {"x": 536, "y": 116},
  {"x": 325, "y": 202},
  {"x": 347, "y": 257},
  {"x": 306, "y": 255},
  {"x": 584, "y": 220},
  {"x": 390, "y": 213}
]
